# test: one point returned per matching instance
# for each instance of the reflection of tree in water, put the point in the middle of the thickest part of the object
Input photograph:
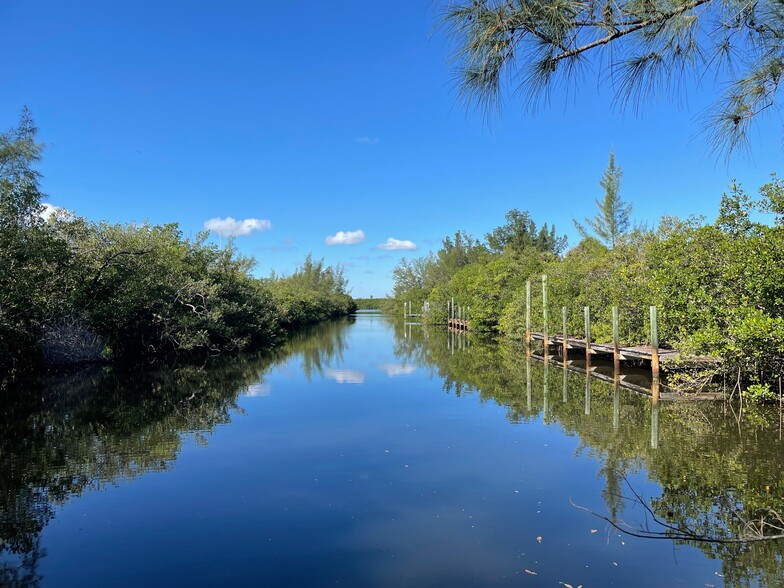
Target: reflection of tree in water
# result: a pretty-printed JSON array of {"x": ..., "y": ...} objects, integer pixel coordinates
[
  {"x": 21, "y": 569},
  {"x": 709, "y": 464},
  {"x": 320, "y": 346},
  {"x": 61, "y": 436}
]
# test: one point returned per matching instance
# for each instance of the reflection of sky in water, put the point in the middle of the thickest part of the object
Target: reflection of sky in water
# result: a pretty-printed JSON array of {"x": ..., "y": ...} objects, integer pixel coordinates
[
  {"x": 397, "y": 369},
  {"x": 256, "y": 390},
  {"x": 422, "y": 480},
  {"x": 345, "y": 376}
]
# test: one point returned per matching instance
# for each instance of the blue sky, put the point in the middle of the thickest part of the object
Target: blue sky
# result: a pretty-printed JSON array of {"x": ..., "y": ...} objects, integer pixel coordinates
[{"x": 325, "y": 117}]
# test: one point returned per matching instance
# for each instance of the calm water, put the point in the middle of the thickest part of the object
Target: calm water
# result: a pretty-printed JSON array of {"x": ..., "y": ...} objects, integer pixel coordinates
[{"x": 367, "y": 453}]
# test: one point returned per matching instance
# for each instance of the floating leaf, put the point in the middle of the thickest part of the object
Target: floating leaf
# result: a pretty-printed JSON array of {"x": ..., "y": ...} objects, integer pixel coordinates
[
  {"x": 530, "y": 572},
  {"x": 539, "y": 538},
  {"x": 593, "y": 530}
]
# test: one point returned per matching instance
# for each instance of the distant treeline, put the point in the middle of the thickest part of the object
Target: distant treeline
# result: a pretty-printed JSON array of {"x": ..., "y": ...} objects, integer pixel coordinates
[
  {"x": 369, "y": 303},
  {"x": 719, "y": 287},
  {"x": 72, "y": 290}
]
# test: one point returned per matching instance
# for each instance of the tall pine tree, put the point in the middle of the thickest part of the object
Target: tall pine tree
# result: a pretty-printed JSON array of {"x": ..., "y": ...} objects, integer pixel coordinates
[{"x": 612, "y": 220}]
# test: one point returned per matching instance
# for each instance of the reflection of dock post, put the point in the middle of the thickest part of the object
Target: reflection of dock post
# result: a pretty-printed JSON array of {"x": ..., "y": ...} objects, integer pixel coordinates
[
  {"x": 565, "y": 346},
  {"x": 528, "y": 318},
  {"x": 565, "y": 385},
  {"x": 616, "y": 346},
  {"x": 588, "y": 389},
  {"x": 655, "y": 411},
  {"x": 545, "y": 340},
  {"x": 654, "y": 344},
  {"x": 546, "y": 392},
  {"x": 528, "y": 382},
  {"x": 617, "y": 404},
  {"x": 655, "y": 425}
]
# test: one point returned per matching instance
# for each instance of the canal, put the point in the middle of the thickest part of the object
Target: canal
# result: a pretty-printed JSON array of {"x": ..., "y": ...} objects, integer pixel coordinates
[{"x": 366, "y": 452}]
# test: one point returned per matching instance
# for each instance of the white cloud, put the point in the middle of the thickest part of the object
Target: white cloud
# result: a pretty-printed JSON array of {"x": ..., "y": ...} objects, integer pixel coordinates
[
  {"x": 230, "y": 227},
  {"x": 365, "y": 140},
  {"x": 346, "y": 238},
  {"x": 393, "y": 244},
  {"x": 346, "y": 376},
  {"x": 52, "y": 210}
]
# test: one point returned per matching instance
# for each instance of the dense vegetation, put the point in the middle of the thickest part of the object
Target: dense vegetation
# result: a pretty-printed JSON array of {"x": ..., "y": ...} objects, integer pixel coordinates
[
  {"x": 369, "y": 303},
  {"x": 75, "y": 290},
  {"x": 719, "y": 286}
]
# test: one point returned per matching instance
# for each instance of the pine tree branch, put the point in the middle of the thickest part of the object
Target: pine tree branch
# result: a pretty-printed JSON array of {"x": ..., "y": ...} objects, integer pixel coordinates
[{"x": 618, "y": 33}]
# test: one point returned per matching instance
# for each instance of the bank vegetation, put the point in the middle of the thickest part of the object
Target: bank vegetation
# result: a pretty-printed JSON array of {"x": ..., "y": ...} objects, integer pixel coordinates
[
  {"x": 73, "y": 290},
  {"x": 718, "y": 286}
]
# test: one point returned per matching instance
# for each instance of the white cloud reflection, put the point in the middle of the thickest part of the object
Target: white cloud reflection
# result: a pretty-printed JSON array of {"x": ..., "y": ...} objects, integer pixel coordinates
[
  {"x": 346, "y": 376},
  {"x": 397, "y": 369},
  {"x": 257, "y": 390}
]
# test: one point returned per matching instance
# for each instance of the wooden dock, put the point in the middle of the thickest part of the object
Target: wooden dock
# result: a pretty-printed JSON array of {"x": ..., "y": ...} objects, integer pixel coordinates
[
  {"x": 669, "y": 358},
  {"x": 457, "y": 324}
]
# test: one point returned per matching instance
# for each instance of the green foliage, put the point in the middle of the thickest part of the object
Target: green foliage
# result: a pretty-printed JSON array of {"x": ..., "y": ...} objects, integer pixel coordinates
[
  {"x": 612, "y": 220},
  {"x": 718, "y": 288},
  {"x": 481, "y": 276},
  {"x": 760, "y": 393},
  {"x": 73, "y": 290},
  {"x": 644, "y": 48},
  {"x": 519, "y": 233},
  {"x": 313, "y": 293},
  {"x": 30, "y": 255},
  {"x": 369, "y": 303}
]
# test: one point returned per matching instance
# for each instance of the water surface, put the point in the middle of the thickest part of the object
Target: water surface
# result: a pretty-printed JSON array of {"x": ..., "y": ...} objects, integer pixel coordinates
[{"x": 366, "y": 452}]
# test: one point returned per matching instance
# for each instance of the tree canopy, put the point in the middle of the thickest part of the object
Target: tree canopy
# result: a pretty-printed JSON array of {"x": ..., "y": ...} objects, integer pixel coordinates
[
  {"x": 657, "y": 46},
  {"x": 520, "y": 232}
]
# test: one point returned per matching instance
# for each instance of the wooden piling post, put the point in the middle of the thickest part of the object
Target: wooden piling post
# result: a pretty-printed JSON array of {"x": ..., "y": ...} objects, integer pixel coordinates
[
  {"x": 616, "y": 346},
  {"x": 528, "y": 318},
  {"x": 654, "y": 344},
  {"x": 565, "y": 346},
  {"x": 545, "y": 339},
  {"x": 587, "y": 314}
]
